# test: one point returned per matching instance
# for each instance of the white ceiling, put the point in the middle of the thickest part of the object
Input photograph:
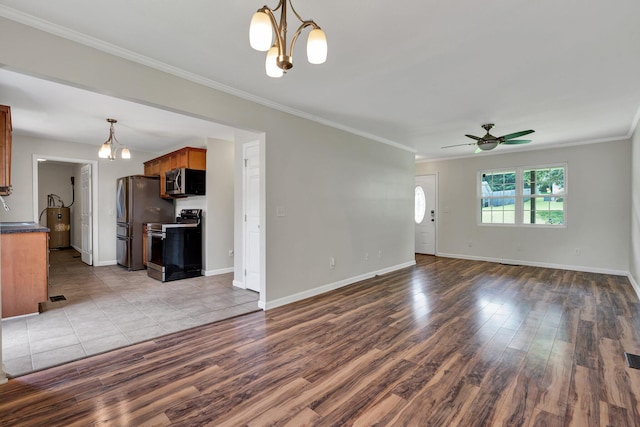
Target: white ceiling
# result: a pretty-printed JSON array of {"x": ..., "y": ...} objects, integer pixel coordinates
[{"x": 416, "y": 73}]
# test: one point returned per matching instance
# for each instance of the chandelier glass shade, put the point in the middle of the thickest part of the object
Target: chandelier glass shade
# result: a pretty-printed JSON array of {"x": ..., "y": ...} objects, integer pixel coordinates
[
  {"x": 487, "y": 146},
  {"x": 261, "y": 37},
  {"x": 109, "y": 149}
]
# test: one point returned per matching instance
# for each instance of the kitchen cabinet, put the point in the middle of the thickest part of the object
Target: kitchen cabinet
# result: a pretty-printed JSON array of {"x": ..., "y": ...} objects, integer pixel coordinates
[
  {"x": 5, "y": 150},
  {"x": 25, "y": 268},
  {"x": 187, "y": 157}
]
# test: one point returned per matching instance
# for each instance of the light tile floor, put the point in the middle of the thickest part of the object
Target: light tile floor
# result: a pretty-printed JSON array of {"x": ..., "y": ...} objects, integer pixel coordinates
[{"x": 110, "y": 307}]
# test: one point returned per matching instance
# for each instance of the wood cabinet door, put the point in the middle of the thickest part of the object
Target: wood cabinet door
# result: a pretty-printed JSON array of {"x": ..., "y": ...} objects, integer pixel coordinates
[
  {"x": 165, "y": 165},
  {"x": 198, "y": 159},
  {"x": 24, "y": 273}
]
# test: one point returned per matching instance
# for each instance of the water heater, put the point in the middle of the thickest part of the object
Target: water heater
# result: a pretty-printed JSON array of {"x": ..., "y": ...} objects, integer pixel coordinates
[{"x": 58, "y": 222}]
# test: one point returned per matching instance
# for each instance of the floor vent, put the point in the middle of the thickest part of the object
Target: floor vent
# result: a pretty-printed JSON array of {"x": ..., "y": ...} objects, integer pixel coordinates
[
  {"x": 633, "y": 360},
  {"x": 62, "y": 298}
]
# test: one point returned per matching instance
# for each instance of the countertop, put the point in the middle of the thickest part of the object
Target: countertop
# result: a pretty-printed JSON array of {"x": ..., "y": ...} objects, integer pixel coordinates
[{"x": 22, "y": 227}]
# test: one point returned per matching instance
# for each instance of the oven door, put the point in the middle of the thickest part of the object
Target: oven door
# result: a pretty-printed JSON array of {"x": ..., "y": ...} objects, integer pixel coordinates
[{"x": 155, "y": 251}]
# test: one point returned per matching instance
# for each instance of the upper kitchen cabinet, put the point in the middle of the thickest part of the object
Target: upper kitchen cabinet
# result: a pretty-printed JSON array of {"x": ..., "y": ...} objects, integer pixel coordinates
[
  {"x": 5, "y": 150},
  {"x": 188, "y": 157}
]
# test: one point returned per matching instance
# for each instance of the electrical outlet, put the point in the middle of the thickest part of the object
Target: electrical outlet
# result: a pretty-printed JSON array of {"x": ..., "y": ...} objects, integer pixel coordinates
[
  {"x": 577, "y": 251},
  {"x": 380, "y": 254},
  {"x": 332, "y": 263},
  {"x": 469, "y": 243},
  {"x": 366, "y": 256},
  {"x": 230, "y": 252}
]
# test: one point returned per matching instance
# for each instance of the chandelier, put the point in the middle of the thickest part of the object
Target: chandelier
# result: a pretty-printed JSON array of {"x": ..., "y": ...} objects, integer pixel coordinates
[
  {"x": 109, "y": 149},
  {"x": 279, "y": 60}
]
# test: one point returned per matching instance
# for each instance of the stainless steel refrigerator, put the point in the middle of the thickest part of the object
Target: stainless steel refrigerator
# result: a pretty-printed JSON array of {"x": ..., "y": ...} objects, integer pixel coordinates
[{"x": 138, "y": 202}]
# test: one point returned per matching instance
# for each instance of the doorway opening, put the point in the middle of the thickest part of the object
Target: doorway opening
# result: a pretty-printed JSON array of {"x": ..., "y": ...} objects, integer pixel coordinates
[{"x": 70, "y": 183}]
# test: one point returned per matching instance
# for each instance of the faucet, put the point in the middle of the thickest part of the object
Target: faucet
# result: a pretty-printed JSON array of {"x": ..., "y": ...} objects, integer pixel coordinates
[{"x": 4, "y": 204}]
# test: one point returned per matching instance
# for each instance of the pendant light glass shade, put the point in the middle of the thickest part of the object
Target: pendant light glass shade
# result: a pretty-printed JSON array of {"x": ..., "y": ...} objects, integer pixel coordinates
[
  {"x": 126, "y": 154},
  {"x": 317, "y": 47},
  {"x": 105, "y": 151},
  {"x": 271, "y": 63},
  {"x": 260, "y": 32}
]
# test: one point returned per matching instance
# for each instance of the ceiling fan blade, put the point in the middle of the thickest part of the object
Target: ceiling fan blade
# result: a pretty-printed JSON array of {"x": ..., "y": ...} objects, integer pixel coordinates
[
  {"x": 458, "y": 145},
  {"x": 516, "y": 134},
  {"x": 517, "y": 141},
  {"x": 478, "y": 150},
  {"x": 477, "y": 138}
]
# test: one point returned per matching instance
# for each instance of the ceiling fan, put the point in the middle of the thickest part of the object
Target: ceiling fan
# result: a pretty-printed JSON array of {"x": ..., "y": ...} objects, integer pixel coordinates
[{"x": 489, "y": 142}]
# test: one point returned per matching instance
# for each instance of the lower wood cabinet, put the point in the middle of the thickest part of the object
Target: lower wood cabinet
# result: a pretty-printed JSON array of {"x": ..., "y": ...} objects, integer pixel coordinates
[{"x": 25, "y": 265}]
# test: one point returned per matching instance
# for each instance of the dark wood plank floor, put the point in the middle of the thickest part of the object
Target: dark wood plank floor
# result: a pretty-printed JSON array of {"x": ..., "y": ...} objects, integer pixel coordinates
[{"x": 447, "y": 342}]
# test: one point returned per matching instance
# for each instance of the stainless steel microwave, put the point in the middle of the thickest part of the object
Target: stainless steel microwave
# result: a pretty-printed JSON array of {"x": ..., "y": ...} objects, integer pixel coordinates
[{"x": 185, "y": 182}]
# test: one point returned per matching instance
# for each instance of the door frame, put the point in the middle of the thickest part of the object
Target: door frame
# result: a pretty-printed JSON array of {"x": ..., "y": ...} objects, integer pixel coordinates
[
  {"x": 245, "y": 147},
  {"x": 94, "y": 192},
  {"x": 435, "y": 204}
]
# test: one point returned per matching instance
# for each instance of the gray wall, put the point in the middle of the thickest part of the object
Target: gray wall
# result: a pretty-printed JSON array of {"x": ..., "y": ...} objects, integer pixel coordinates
[
  {"x": 344, "y": 194},
  {"x": 597, "y": 218}
]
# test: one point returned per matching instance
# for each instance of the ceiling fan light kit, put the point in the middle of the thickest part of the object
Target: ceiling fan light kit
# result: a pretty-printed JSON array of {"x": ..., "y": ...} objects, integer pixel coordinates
[
  {"x": 262, "y": 29},
  {"x": 489, "y": 142}
]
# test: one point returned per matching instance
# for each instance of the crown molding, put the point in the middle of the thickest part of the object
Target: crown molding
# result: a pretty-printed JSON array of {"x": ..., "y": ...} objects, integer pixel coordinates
[{"x": 86, "y": 40}]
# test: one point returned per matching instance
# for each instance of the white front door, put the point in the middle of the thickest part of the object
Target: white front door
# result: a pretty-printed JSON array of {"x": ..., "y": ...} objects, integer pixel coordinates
[
  {"x": 251, "y": 256},
  {"x": 425, "y": 214},
  {"x": 86, "y": 215}
]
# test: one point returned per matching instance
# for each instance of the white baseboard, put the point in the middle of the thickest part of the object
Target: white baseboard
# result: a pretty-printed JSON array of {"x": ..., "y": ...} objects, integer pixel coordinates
[
  {"x": 217, "y": 272},
  {"x": 239, "y": 284},
  {"x": 77, "y": 248},
  {"x": 105, "y": 263},
  {"x": 537, "y": 264},
  {"x": 268, "y": 305}
]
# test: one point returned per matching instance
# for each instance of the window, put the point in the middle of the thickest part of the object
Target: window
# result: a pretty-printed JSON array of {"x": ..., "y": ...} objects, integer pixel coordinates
[
  {"x": 545, "y": 204},
  {"x": 421, "y": 205},
  {"x": 498, "y": 197},
  {"x": 523, "y": 196}
]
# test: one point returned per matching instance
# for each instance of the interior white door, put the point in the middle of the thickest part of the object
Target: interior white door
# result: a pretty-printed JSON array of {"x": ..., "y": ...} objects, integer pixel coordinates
[
  {"x": 86, "y": 214},
  {"x": 425, "y": 214},
  {"x": 251, "y": 256}
]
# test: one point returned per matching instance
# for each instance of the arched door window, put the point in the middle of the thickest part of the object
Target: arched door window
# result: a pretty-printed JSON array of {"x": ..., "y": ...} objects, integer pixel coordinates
[{"x": 421, "y": 205}]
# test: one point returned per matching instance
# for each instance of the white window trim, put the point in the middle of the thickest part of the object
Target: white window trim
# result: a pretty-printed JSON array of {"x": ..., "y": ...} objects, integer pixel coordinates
[{"x": 519, "y": 197}]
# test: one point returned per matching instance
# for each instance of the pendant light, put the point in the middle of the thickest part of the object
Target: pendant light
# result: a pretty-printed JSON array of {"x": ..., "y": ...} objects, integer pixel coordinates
[
  {"x": 109, "y": 149},
  {"x": 279, "y": 59}
]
